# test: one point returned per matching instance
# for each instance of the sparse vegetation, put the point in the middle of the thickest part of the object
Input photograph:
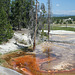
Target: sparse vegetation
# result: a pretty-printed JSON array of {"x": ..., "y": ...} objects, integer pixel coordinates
[
  {"x": 0, "y": 54},
  {"x": 23, "y": 42},
  {"x": 1, "y": 61}
]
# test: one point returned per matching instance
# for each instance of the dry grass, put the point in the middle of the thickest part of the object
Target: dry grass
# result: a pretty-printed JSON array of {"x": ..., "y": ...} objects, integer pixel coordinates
[{"x": 46, "y": 47}]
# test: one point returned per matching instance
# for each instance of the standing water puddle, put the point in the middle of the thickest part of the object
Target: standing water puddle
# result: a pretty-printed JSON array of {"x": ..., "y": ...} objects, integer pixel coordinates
[{"x": 47, "y": 59}]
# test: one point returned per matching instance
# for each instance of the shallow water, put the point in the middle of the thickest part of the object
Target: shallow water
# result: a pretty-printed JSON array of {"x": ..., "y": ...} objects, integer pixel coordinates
[{"x": 47, "y": 59}]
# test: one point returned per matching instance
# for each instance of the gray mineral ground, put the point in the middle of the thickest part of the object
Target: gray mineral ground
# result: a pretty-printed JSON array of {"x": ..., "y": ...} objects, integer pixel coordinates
[{"x": 6, "y": 71}]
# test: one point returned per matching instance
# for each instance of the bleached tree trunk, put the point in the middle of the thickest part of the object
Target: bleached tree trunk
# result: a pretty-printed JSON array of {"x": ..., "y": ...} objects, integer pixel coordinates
[
  {"x": 34, "y": 44},
  {"x": 48, "y": 18}
]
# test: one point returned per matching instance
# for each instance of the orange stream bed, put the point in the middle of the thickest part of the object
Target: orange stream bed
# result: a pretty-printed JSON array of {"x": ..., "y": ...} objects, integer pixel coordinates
[{"x": 28, "y": 63}]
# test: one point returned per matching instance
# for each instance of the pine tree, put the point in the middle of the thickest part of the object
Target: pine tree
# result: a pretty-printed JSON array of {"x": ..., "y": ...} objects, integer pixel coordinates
[
  {"x": 20, "y": 13},
  {"x": 12, "y": 16},
  {"x": 5, "y": 27},
  {"x": 6, "y": 5}
]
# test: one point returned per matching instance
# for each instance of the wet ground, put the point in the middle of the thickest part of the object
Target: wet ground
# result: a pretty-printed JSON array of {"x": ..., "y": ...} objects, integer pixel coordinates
[
  {"x": 51, "y": 58},
  {"x": 65, "y": 54},
  {"x": 64, "y": 38},
  {"x": 54, "y": 58}
]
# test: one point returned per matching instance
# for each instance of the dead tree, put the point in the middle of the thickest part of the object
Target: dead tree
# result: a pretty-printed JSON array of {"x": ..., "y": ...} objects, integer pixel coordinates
[
  {"x": 48, "y": 18},
  {"x": 34, "y": 44}
]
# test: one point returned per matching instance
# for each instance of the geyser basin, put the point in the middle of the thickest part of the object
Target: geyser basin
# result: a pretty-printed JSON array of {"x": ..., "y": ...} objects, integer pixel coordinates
[
  {"x": 47, "y": 59},
  {"x": 29, "y": 62}
]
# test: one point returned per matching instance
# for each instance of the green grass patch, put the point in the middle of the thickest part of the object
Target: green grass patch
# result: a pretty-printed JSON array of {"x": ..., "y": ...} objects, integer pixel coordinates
[
  {"x": 59, "y": 28},
  {"x": 63, "y": 24},
  {"x": 63, "y": 28},
  {"x": 1, "y": 61},
  {"x": 0, "y": 54}
]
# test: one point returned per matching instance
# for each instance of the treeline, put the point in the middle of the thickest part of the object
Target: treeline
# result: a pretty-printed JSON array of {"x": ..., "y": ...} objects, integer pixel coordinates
[
  {"x": 61, "y": 20},
  {"x": 20, "y": 10},
  {"x": 66, "y": 17},
  {"x": 14, "y": 14}
]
